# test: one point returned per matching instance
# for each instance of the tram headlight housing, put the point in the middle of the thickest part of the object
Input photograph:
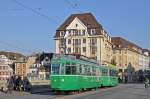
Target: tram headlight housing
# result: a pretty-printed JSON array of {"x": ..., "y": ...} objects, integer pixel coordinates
[{"x": 62, "y": 80}]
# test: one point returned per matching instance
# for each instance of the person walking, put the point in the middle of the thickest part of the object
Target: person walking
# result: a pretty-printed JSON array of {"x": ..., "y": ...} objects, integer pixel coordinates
[
  {"x": 19, "y": 84},
  {"x": 10, "y": 85},
  {"x": 26, "y": 84},
  {"x": 146, "y": 82}
]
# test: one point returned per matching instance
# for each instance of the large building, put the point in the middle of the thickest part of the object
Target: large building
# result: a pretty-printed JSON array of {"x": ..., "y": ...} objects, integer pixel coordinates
[
  {"x": 144, "y": 60},
  {"x": 21, "y": 67},
  {"x": 125, "y": 53},
  {"x": 13, "y": 56},
  {"x": 82, "y": 34},
  {"x": 6, "y": 70},
  {"x": 40, "y": 67}
]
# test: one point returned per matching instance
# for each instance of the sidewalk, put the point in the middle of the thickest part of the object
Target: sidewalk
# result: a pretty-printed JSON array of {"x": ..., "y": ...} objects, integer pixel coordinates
[{"x": 13, "y": 93}]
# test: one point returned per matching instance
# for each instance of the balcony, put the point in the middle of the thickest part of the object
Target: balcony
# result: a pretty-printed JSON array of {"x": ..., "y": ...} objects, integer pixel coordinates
[
  {"x": 92, "y": 44},
  {"x": 62, "y": 45},
  {"x": 76, "y": 44}
]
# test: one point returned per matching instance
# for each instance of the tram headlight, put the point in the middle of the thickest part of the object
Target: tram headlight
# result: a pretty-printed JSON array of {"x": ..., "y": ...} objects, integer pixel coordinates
[{"x": 62, "y": 80}]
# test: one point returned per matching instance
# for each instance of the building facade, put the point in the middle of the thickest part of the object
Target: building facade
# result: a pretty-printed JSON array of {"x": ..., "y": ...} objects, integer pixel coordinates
[
  {"x": 144, "y": 60},
  {"x": 82, "y": 34},
  {"x": 125, "y": 53},
  {"x": 21, "y": 67},
  {"x": 40, "y": 69},
  {"x": 6, "y": 70}
]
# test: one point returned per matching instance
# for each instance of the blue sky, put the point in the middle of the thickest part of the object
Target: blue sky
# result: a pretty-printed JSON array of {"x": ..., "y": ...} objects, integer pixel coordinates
[{"x": 22, "y": 30}]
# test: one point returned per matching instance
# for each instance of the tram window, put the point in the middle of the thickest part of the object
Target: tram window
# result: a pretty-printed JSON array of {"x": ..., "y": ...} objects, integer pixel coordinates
[
  {"x": 88, "y": 71},
  {"x": 80, "y": 69},
  {"x": 97, "y": 72},
  {"x": 104, "y": 72},
  {"x": 110, "y": 73},
  {"x": 113, "y": 73},
  {"x": 94, "y": 70},
  {"x": 68, "y": 69},
  {"x": 85, "y": 70},
  {"x": 71, "y": 69},
  {"x": 62, "y": 69},
  {"x": 55, "y": 68}
]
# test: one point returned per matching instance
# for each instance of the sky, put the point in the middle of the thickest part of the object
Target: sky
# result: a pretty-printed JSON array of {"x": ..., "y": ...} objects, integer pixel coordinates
[{"x": 28, "y": 26}]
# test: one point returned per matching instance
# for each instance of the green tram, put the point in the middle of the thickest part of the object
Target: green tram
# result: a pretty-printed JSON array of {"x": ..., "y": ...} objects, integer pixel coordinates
[{"x": 71, "y": 73}]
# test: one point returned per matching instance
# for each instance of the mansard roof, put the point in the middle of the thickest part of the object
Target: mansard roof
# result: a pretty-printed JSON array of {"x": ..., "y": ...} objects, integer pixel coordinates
[
  {"x": 123, "y": 43},
  {"x": 87, "y": 18}
]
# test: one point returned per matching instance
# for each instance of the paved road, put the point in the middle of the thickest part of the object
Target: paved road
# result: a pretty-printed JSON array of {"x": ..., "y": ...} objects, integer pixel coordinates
[{"x": 123, "y": 91}]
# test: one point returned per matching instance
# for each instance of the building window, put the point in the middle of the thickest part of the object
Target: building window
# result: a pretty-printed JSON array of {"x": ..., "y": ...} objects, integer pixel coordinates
[
  {"x": 76, "y": 32},
  {"x": 93, "y": 31},
  {"x": 76, "y": 50},
  {"x": 69, "y": 50},
  {"x": 83, "y": 32},
  {"x": 76, "y": 25},
  {"x": 79, "y": 41},
  {"x": 76, "y": 41},
  {"x": 79, "y": 31},
  {"x": 69, "y": 41},
  {"x": 93, "y": 50},
  {"x": 93, "y": 41},
  {"x": 62, "y": 42},
  {"x": 62, "y": 33},
  {"x": 114, "y": 46},
  {"x": 84, "y": 40},
  {"x": 84, "y": 49}
]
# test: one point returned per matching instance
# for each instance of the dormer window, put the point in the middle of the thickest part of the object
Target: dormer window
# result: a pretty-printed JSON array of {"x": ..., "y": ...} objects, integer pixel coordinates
[
  {"x": 114, "y": 46},
  {"x": 93, "y": 31},
  {"x": 62, "y": 33},
  {"x": 76, "y": 25}
]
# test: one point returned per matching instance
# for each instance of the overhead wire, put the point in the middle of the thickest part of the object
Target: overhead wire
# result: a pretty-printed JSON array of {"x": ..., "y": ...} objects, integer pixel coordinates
[
  {"x": 35, "y": 11},
  {"x": 38, "y": 13},
  {"x": 15, "y": 47},
  {"x": 74, "y": 6}
]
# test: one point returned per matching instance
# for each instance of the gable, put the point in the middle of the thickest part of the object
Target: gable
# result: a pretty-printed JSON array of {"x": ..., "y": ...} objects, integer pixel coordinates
[{"x": 76, "y": 24}]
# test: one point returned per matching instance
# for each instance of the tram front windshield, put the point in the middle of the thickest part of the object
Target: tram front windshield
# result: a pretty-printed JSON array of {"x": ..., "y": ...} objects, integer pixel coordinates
[{"x": 55, "y": 68}]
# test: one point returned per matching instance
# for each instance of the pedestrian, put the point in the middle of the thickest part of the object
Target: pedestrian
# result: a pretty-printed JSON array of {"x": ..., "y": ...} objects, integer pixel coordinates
[
  {"x": 26, "y": 84},
  {"x": 9, "y": 85},
  {"x": 146, "y": 82},
  {"x": 19, "y": 84},
  {"x": 15, "y": 86}
]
